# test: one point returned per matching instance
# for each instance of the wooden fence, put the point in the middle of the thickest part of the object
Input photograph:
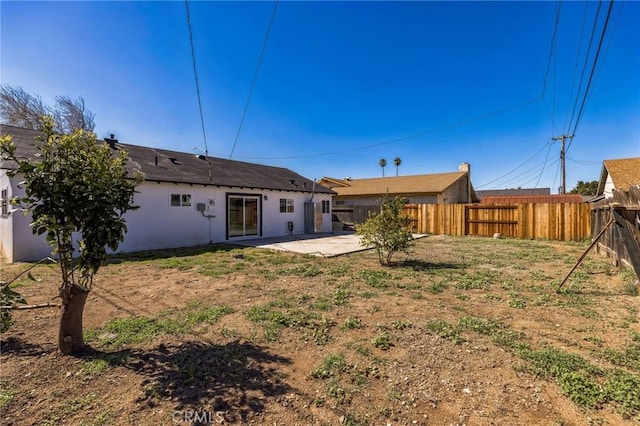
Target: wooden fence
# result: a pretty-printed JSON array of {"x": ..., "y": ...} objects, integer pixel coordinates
[
  {"x": 618, "y": 218},
  {"x": 553, "y": 221}
]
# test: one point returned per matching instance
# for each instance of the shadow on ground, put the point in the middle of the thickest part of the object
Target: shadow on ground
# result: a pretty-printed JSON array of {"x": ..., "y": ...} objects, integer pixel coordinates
[
  {"x": 142, "y": 256},
  {"x": 234, "y": 378},
  {"x": 421, "y": 265},
  {"x": 20, "y": 347}
]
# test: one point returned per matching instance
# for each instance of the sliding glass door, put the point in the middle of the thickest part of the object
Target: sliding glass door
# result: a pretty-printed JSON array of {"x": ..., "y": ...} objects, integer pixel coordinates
[{"x": 243, "y": 215}]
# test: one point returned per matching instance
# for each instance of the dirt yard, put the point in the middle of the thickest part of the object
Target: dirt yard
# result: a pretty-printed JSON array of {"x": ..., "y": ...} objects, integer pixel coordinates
[{"x": 461, "y": 331}]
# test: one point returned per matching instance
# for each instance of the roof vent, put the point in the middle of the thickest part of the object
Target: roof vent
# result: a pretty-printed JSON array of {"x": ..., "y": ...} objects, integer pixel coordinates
[
  {"x": 112, "y": 141},
  {"x": 173, "y": 160}
]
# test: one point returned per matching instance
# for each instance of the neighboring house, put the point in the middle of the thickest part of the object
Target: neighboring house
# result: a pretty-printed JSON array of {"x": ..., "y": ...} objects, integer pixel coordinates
[
  {"x": 185, "y": 200},
  {"x": 513, "y": 191},
  {"x": 532, "y": 199},
  {"x": 618, "y": 174},
  {"x": 439, "y": 188}
]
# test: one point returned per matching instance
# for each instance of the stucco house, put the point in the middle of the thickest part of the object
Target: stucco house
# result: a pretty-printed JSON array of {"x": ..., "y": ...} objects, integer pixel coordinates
[
  {"x": 185, "y": 200},
  {"x": 618, "y": 174},
  {"x": 437, "y": 188}
]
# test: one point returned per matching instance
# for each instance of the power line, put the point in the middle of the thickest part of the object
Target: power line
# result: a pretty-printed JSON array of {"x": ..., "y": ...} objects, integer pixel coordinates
[
  {"x": 542, "y": 170},
  {"x": 593, "y": 69},
  {"x": 586, "y": 61},
  {"x": 552, "y": 47},
  {"x": 575, "y": 68},
  {"x": 514, "y": 169},
  {"x": 402, "y": 138},
  {"x": 255, "y": 76},
  {"x": 584, "y": 162},
  {"x": 524, "y": 183},
  {"x": 195, "y": 73},
  {"x": 606, "y": 50}
]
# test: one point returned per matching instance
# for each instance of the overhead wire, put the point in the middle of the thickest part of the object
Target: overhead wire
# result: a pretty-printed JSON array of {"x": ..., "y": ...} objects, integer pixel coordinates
[
  {"x": 401, "y": 138},
  {"x": 195, "y": 73},
  {"x": 543, "y": 166},
  {"x": 553, "y": 185},
  {"x": 255, "y": 76},
  {"x": 584, "y": 162},
  {"x": 526, "y": 176},
  {"x": 575, "y": 67},
  {"x": 593, "y": 69},
  {"x": 551, "y": 47},
  {"x": 514, "y": 169},
  {"x": 524, "y": 183},
  {"x": 613, "y": 31},
  {"x": 586, "y": 62}
]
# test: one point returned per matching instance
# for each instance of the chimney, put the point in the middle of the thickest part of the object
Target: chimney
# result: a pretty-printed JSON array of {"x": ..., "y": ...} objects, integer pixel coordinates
[{"x": 466, "y": 168}]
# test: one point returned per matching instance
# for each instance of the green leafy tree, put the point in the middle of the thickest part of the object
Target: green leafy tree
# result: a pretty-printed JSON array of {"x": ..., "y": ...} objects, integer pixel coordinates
[
  {"x": 387, "y": 230},
  {"x": 586, "y": 188},
  {"x": 76, "y": 188}
]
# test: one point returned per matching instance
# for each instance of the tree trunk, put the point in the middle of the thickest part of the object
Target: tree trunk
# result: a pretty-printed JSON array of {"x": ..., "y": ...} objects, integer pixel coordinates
[{"x": 70, "y": 335}]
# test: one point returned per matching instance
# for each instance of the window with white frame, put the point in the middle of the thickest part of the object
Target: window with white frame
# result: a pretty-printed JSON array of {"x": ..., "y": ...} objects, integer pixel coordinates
[
  {"x": 286, "y": 205},
  {"x": 4, "y": 202},
  {"x": 326, "y": 207},
  {"x": 180, "y": 200}
]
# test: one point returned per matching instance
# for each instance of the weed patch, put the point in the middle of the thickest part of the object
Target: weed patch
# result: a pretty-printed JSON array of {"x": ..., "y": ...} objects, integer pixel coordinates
[
  {"x": 382, "y": 341},
  {"x": 445, "y": 330}
]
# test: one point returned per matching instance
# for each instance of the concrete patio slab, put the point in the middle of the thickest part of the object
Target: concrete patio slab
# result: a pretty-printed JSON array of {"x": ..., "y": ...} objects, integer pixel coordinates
[{"x": 324, "y": 245}]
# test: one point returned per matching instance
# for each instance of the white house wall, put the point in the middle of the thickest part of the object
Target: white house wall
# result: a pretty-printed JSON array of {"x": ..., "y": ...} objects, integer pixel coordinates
[
  {"x": 608, "y": 187},
  {"x": 157, "y": 224},
  {"x": 6, "y": 222},
  {"x": 17, "y": 241}
]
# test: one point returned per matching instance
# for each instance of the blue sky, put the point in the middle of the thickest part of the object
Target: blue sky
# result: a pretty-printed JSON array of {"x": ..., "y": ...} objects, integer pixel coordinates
[{"x": 343, "y": 84}]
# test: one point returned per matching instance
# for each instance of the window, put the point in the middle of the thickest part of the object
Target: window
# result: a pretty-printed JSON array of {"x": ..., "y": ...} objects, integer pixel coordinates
[
  {"x": 4, "y": 201},
  {"x": 180, "y": 200},
  {"x": 286, "y": 205},
  {"x": 326, "y": 207}
]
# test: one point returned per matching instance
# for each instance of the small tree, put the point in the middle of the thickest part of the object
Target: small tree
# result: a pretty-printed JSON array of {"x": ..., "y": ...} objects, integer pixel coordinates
[
  {"x": 75, "y": 187},
  {"x": 388, "y": 230}
]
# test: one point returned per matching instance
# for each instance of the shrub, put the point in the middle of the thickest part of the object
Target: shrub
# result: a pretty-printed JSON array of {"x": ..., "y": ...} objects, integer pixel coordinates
[{"x": 388, "y": 230}]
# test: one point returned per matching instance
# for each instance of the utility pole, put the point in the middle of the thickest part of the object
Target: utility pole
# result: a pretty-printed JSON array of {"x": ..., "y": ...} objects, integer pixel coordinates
[{"x": 563, "y": 161}]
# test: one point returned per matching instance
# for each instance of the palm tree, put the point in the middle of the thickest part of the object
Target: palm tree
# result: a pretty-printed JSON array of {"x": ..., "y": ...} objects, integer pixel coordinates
[
  {"x": 396, "y": 162},
  {"x": 383, "y": 163}
]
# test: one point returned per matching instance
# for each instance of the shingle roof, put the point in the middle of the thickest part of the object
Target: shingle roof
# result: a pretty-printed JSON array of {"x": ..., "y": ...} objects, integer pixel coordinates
[
  {"x": 179, "y": 167},
  {"x": 416, "y": 184},
  {"x": 522, "y": 199},
  {"x": 624, "y": 172},
  {"x": 514, "y": 191}
]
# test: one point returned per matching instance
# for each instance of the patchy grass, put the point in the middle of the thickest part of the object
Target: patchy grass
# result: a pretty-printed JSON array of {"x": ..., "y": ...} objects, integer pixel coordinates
[
  {"x": 375, "y": 331},
  {"x": 138, "y": 329}
]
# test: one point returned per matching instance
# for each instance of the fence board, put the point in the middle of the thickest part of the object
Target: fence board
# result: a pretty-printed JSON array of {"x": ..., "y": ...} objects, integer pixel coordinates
[{"x": 560, "y": 221}]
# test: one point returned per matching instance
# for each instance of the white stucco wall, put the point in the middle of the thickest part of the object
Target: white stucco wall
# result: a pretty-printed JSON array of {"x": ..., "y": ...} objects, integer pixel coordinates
[
  {"x": 608, "y": 187},
  {"x": 6, "y": 222},
  {"x": 156, "y": 224},
  {"x": 17, "y": 241}
]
